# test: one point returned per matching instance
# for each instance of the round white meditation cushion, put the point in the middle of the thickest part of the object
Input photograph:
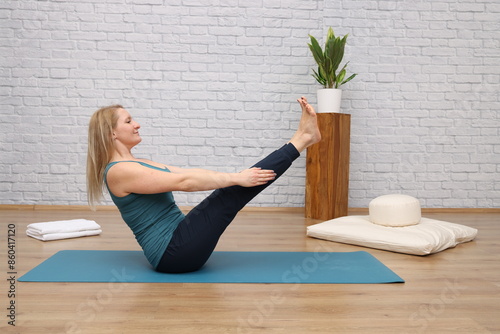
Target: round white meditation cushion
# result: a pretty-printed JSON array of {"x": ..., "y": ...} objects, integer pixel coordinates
[{"x": 395, "y": 210}]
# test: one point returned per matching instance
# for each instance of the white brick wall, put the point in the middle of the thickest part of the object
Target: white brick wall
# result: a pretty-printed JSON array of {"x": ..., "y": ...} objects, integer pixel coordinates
[{"x": 213, "y": 84}]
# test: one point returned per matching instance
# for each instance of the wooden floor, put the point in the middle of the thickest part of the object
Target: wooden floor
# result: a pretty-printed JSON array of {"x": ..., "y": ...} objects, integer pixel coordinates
[{"x": 455, "y": 291}]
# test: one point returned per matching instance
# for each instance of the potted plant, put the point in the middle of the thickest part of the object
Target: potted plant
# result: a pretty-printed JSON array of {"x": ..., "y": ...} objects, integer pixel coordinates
[{"x": 327, "y": 75}]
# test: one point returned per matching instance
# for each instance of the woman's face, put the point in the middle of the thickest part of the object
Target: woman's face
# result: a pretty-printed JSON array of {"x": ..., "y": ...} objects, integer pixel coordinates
[{"x": 127, "y": 130}]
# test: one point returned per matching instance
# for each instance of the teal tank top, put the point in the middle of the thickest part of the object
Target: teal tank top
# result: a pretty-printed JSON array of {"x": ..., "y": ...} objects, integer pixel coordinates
[{"x": 151, "y": 217}]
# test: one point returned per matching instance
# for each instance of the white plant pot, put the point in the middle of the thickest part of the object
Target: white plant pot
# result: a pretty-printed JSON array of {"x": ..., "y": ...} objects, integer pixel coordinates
[{"x": 329, "y": 100}]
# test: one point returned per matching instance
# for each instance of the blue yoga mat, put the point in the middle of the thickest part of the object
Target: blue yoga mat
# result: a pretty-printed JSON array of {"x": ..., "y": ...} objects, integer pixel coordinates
[{"x": 222, "y": 267}]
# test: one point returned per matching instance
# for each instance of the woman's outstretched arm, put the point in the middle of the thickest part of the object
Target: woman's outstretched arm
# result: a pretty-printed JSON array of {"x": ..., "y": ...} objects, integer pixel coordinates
[
  {"x": 180, "y": 170},
  {"x": 128, "y": 177}
]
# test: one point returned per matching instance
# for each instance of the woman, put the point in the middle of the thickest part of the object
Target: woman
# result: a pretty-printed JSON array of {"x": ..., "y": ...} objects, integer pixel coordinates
[{"x": 142, "y": 189}]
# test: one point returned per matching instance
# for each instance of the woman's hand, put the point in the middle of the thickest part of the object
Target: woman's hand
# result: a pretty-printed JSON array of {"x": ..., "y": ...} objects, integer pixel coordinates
[{"x": 255, "y": 176}]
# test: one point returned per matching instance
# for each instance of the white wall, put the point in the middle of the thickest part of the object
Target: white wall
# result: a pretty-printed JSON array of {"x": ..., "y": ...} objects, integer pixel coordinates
[{"x": 214, "y": 83}]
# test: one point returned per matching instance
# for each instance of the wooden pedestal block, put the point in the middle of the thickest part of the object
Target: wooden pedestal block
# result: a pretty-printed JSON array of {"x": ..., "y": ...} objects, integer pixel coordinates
[{"x": 327, "y": 168}]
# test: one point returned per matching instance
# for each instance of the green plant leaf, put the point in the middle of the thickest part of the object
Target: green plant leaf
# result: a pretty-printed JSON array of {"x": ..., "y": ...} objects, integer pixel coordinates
[
  {"x": 349, "y": 79},
  {"x": 339, "y": 78},
  {"x": 319, "y": 78},
  {"x": 316, "y": 51},
  {"x": 343, "y": 70},
  {"x": 338, "y": 55},
  {"x": 330, "y": 34}
]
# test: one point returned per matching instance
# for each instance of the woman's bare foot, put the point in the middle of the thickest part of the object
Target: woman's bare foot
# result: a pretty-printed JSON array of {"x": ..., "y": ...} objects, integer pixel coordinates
[{"x": 307, "y": 133}]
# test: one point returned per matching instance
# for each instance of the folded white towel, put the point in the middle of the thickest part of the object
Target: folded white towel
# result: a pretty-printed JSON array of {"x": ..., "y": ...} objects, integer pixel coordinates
[
  {"x": 63, "y": 226},
  {"x": 66, "y": 235}
]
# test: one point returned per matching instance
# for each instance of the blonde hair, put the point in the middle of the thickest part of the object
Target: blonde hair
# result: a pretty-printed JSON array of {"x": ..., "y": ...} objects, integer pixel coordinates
[{"x": 100, "y": 150}]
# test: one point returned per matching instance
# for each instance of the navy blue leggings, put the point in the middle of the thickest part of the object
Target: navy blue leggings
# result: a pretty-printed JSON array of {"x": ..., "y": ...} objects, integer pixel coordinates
[{"x": 195, "y": 238}]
